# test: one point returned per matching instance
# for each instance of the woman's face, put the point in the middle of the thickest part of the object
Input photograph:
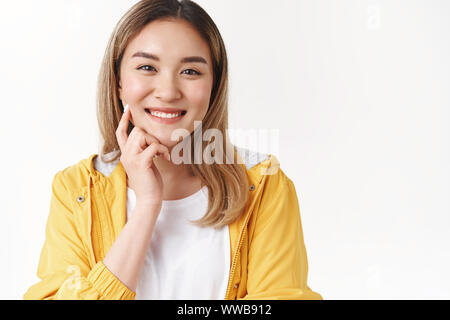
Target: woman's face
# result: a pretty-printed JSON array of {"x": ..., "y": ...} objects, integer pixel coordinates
[{"x": 156, "y": 72}]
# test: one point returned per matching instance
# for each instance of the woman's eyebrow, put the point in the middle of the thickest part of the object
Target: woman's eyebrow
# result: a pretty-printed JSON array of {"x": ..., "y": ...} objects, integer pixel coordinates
[{"x": 146, "y": 55}]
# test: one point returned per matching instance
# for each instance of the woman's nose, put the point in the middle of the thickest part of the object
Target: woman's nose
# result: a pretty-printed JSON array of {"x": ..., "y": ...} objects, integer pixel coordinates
[{"x": 166, "y": 88}]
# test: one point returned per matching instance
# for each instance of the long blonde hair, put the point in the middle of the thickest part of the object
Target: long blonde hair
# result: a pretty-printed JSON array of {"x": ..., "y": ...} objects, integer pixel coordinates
[{"x": 227, "y": 184}]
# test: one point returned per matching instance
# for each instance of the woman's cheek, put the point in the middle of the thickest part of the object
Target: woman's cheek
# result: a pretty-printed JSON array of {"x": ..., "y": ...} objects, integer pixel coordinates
[
  {"x": 134, "y": 89},
  {"x": 199, "y": 96}
]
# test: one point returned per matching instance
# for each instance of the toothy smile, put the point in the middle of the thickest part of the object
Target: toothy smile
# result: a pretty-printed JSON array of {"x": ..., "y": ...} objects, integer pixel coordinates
[{"x": 166, "y": 115}]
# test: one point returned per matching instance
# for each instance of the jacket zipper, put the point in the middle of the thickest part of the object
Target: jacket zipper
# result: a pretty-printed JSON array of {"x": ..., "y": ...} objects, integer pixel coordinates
[{"x": 233, "y": 266}]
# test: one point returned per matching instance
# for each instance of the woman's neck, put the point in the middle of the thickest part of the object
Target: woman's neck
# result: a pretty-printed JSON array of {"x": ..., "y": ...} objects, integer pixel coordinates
[
  {"x": 171, "y": 171},
  {"x": 178, "y": 180}
]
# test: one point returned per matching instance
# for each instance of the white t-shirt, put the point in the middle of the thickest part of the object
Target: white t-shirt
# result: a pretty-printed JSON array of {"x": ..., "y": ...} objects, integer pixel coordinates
[{"x": 184, "y": 262}]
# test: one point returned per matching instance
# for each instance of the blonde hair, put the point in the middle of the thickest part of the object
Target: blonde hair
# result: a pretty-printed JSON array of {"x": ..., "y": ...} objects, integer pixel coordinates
[{"x": 227, "y": 184}]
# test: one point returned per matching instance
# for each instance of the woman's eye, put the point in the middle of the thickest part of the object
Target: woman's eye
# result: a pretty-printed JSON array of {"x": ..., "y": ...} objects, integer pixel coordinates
[
  {"x": 141, "y": 68},
  {"x": 196, "y": 73}
]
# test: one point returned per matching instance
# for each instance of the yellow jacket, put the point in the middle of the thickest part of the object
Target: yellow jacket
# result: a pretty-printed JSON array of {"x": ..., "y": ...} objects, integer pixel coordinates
[{"x": 88, "y": 211}]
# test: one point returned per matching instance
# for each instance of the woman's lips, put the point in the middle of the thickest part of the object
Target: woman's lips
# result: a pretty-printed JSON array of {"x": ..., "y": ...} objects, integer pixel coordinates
[
  {"x": 165, "y": 110},
  {"x": 165, "y": 120}
]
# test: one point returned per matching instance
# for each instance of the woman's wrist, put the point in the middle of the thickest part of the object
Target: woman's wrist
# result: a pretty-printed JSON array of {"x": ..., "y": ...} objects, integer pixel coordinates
[{"x": 146, "y": 208}]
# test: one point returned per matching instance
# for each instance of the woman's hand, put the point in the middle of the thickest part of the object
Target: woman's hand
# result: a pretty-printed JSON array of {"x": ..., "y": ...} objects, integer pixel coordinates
[{"x": 138, "y": 151}]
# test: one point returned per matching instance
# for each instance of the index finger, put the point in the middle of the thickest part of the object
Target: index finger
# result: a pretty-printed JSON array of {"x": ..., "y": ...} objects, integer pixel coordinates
[{"x": 122, "y": 128}]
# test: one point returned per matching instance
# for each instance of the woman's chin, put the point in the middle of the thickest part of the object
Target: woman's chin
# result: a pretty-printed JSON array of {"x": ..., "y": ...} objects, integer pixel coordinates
[
  {"x": 166, "y": 137},
  {"x": 166, "y": 141}
]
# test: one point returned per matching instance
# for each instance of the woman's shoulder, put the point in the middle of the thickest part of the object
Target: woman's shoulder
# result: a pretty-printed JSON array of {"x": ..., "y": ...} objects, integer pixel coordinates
[{"x": 78, "y": 173}]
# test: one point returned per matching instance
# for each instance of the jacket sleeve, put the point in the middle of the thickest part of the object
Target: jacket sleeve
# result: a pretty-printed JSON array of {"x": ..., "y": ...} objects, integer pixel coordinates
[
  {"x": 64, "y": 269},
  {"x": 277, "y": 260}
]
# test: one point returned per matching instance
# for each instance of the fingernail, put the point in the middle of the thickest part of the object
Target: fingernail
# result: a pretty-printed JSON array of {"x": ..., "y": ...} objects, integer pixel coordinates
[{"x": 126, "y": 108}]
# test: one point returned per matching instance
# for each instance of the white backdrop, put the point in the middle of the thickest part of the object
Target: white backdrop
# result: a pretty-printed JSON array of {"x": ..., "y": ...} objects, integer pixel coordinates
[{"x": 358, "y": 89}]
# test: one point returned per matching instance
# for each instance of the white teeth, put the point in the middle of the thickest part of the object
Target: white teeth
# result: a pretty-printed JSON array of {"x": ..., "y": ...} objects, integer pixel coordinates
[{"x": 165, "y": 115}]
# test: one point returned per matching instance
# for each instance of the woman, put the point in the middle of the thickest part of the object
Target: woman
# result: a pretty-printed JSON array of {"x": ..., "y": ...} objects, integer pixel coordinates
[{"x": 133, "y": 224}]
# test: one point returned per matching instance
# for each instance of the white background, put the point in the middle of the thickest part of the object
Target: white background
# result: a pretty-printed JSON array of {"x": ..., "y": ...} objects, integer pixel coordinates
[{"x": 358, "y": 89}]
